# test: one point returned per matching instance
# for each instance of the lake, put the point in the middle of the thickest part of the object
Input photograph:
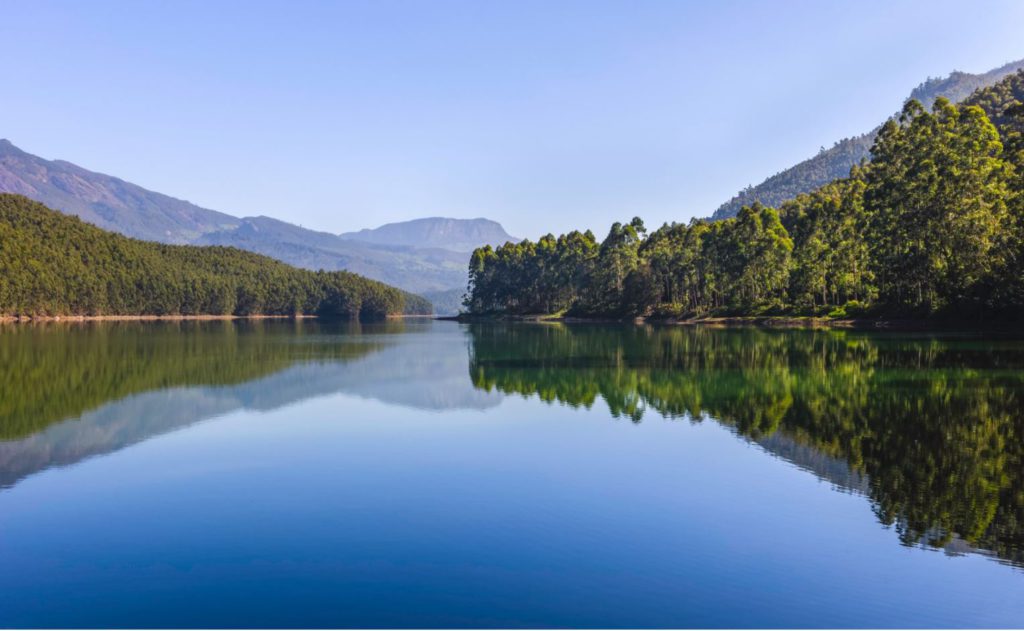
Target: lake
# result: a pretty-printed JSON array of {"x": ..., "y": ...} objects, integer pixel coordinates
[{"x": 435, "y": 474}]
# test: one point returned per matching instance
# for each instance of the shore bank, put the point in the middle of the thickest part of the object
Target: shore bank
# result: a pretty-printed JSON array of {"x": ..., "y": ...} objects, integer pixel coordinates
[
  {"x": 126, "y": 318},
  {"x": 776, "y": 322},
  {"x": 175, "y": 318}
]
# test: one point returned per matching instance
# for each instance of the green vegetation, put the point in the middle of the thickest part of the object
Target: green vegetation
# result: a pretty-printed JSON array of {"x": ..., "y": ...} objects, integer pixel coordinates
[
  {"x": 934, "y": 424},
  {"x": 53, "y": 264},
  {"x": 836, "y": 161},
  {"x": 933, "y": 226}
]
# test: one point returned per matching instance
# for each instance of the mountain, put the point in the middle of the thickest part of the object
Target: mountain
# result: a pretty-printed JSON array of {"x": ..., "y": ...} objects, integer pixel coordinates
[
  {"x": 837, "y": 161},
  {"x": 105, "y": 201},
  {"x": 55, "y": 264},
  {"x": 460, "y": 235},
  {"x": 425, "y": 255},
  {"x": 446, "y": 301},
  {"x": 413, "y": 269}
]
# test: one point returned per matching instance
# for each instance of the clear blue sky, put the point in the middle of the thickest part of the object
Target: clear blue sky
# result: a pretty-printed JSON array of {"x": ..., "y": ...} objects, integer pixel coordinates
[{"x": 545, "y": 116}]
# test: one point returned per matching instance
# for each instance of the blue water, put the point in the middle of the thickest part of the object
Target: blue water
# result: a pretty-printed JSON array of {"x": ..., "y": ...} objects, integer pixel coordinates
[{"x": 387, "y": 490}]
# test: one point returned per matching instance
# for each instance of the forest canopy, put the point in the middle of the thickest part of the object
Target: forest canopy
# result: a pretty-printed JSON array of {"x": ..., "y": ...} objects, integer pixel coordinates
[
  {"x": 52, "y": 264},
  {"x": 933, "y": 225}
]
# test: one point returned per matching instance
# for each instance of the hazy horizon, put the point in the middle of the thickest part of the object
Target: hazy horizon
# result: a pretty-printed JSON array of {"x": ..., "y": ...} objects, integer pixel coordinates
[{"x": 543, "y": 117}]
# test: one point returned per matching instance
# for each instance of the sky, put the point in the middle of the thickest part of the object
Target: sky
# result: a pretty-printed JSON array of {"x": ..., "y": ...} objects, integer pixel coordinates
[{"x": 546, "y": 116}]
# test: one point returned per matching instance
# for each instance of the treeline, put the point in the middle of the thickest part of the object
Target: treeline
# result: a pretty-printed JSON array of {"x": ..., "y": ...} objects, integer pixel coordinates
[
  {"x": 53, "y": 264},
  {"x": 934, "y": 425},
  {"x": 933, "y": 225}
]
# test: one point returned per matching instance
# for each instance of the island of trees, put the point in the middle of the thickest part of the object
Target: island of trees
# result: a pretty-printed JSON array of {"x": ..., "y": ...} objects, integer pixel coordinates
[
  {"x": 53, "y": 264},
  {"x": 932, "y": 226}
]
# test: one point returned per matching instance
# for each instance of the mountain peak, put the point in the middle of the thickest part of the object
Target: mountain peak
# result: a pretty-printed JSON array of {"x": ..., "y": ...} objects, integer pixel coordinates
[{"x": 460, "y": 235}]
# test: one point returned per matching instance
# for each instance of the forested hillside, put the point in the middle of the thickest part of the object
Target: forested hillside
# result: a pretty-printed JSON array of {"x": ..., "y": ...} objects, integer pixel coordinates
[
  {"x": 932, "y": 226},
  {"x": 53, "y": 264},
  {"x": 1002, "y": 102},
  {"x": 836, "y": 162}
]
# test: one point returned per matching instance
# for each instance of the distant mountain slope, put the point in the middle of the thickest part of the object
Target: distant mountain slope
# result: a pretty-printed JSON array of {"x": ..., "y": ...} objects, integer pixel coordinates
[
  {"x": 105, "y": 201},
  {"x": 446, "y": 301},
  {"x": 413, "y": 269},
  {"x": 837, "y": 161},
  {"x": 461, "y": 235}
]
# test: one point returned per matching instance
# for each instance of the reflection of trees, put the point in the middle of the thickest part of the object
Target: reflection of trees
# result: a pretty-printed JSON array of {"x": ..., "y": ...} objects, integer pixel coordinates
[
  {"x": 937, "y": 425},
  {"x": 52, "y": 372}
]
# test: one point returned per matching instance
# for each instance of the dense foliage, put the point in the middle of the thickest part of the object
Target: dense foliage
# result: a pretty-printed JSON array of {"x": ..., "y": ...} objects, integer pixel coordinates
[
  {"x": 933, "y": 225},
  {"x": 931, "y": 426},
  {"x": 53, "y": 264},
  {"x": 837, "y": 161}
]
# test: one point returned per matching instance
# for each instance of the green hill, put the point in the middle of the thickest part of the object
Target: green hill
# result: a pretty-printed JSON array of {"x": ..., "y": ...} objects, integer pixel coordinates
[
  {"x": 1003, "y": 102},
  {"x": 54, "y": 264},
  {"x": 835, "y": 163}
]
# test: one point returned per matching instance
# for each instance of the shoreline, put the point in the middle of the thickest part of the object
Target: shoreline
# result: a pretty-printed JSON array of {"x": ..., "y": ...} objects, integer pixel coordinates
[
  {"x": 767, "y": 322},
  {"x": 175, "y": 318},
  {"x": 146, "y": 318}
]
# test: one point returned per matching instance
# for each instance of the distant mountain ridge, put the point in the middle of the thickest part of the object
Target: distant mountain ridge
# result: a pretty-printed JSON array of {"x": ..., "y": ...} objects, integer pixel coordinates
[
  {"x": 460, "y": 235},
  {"x": 837, "y": 161},
  {"x": 106, "y": 201},
  {"x": 417, "y": 270},
  {"x": 423, "y": 255}
]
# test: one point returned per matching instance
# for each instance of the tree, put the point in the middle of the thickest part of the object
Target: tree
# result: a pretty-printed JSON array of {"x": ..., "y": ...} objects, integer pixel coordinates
[{"x": 936, "y": 192}]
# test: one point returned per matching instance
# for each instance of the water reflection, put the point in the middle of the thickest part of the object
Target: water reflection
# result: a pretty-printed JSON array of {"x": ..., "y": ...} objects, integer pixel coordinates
[
  {"x": 929, "y": 427},
  {"x": 72, "y": 391}
]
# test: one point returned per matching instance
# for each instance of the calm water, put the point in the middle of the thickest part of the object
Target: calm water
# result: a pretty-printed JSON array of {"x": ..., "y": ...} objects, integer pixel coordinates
[{"x": 435, "y": 474}]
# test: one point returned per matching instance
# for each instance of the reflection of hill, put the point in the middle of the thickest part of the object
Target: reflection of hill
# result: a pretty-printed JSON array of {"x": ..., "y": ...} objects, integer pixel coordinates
[
  {"x": 930, "y": 429},
  {"x": 835, "y": 471},
  {"x": 54, "y": 372},
  {"x": 160, "y": 379}
]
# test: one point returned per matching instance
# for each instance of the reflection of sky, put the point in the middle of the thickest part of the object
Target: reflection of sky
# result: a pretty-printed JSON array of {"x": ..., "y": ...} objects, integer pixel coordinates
[{"x": 341, "y": 510}]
